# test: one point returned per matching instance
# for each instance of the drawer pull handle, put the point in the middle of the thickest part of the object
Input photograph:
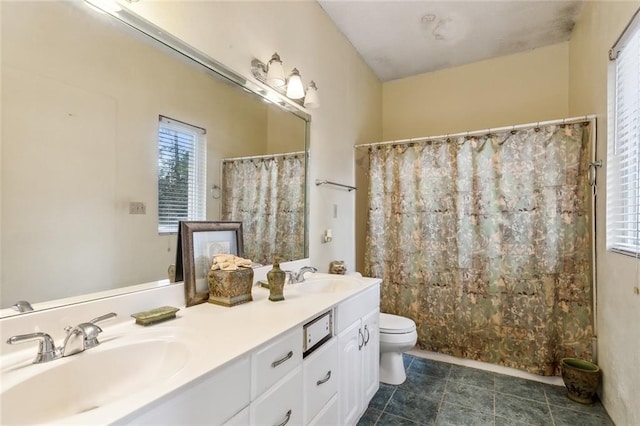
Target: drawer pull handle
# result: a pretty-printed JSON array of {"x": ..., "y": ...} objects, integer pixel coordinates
[
  {"x": 367, "y": 339},
  {"x": 274, "y": 364},
  {"x": 286, "y": 420},
  {"x": 360, "y": 345},
  {"x": 325, "y": 380}
]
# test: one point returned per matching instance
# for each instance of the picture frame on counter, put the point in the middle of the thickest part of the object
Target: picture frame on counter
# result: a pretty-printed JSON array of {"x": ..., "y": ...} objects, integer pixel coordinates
[{"x": 198, "y": 242}]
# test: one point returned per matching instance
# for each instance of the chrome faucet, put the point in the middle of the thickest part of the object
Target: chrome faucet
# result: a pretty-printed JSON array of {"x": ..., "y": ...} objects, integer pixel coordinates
[
  {"x": 79, "y": 338},
  {"x": 47, "y": 350},
  {"x": 84, "y": 335},
  {"x": 22, "y": 306},
  {"x": 299, "y": 277}
]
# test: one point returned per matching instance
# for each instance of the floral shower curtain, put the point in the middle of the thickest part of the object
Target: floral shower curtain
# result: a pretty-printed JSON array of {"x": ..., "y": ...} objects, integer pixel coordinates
[
  {"x": 267, "y": 195},
  {"x": 485, "y": 242}
]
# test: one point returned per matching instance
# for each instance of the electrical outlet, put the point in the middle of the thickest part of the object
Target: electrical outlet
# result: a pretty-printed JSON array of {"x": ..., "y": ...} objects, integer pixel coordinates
[{"x": 137, "y": 207}]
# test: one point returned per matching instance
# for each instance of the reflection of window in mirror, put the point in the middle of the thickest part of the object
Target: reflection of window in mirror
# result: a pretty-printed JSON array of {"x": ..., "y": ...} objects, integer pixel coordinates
[{"x": 181, "y": 174}]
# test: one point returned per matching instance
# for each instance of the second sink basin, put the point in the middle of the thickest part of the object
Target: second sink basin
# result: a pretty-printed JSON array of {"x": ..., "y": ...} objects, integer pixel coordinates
[
  {"x": 91, "y": 379},
  {"x": 326, "y": 285}
]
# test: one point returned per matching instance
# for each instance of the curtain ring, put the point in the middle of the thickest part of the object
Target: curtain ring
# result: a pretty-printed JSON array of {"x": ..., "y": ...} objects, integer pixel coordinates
[
  {"x": 513, "y": 130},
  {"x": 537, "y": 128}
]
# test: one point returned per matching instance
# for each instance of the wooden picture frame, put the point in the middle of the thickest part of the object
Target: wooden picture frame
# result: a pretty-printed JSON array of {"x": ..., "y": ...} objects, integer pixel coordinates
[{"x": 198, "y": 242}]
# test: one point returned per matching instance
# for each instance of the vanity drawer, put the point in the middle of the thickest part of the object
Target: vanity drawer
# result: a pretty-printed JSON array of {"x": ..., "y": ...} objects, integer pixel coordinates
[
  {"x": 320, "y": 378},
  {"x": 328, "y": 416},
  {"x": 272, "y": 362},
  {"x": 282, "y": 404}
]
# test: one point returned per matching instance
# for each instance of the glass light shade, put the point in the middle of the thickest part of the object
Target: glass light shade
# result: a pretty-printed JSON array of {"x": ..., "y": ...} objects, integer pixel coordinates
[
  {"x": 311, "y": 99},
  {"x": 275, "y": 72},
  {"x": 295, "y": 89}
]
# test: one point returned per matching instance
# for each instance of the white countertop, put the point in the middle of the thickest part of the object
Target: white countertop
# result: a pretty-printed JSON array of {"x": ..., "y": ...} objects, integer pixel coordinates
[{"x": 214, "y": 335}]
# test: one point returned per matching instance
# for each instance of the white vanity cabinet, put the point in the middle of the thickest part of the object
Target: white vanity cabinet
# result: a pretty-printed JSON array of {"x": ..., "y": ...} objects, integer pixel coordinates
[
  {"x": 357, "y": 326},
  {"x": 212, "y": 399}
]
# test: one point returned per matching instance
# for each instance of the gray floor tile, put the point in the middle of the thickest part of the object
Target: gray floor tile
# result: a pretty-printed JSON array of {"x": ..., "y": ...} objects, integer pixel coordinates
[
  {"x": 390, "y": 420},
  {"x": 407, "y": 359},
  {"x": 370, "y": 417},
  {"x": 425, "y": 385},
  {"x": 557, "y": 395},
  {"x": 522, "y": 410},
  {"x": 413, "y": 406},
  {"x": 520, "y": 387},
  {"x": 430, "y": 367},
  {"x": 565, "y": 417},
  {"x": 455, "y": 415},
  {"x": 381, "y": 397},
  {"x": 501, "y": 421},
  {"x": 472, "y": 397},
  {"x": 472, "y": 376}
]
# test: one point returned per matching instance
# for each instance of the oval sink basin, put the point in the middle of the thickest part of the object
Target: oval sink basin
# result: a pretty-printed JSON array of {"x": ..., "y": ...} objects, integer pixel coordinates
[
  {"x": 325, "y": 286},
  {"x": 91, "y": 379}
]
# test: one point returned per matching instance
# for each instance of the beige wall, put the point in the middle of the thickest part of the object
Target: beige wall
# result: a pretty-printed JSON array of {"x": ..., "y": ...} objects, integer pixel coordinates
[
  {"x": 520, "y": 88},
  {"x": 617, "y": 307},
  {"x": 350, "y": 94}
]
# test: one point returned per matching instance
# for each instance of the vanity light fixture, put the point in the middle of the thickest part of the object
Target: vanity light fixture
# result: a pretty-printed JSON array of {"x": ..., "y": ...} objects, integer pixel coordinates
[
  {"x": 275, "y": 72},
  {"x": 272, "y": 74},
  {"x": 311, "y": 99},
  {"x": 295, "y": 89}
]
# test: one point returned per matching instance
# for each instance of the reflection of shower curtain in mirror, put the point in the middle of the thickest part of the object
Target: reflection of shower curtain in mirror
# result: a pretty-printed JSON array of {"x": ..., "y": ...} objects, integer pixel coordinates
[{"x": 267, "y": 195}]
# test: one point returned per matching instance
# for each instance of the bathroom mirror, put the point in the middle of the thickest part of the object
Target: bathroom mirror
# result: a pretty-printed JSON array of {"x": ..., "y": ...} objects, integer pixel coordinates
[{"x": 82, "y": 94}]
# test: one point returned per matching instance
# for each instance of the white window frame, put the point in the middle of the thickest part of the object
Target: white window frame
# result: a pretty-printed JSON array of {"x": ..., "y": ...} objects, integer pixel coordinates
[
  {"x": 623, "y": 143},
  {"x": 193, "y": 139}
]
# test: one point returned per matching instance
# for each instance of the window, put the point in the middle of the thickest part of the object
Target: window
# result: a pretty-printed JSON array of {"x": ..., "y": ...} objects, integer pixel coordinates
[
  {"x": 181, "y": 174},
  {"x": 623, "y": 151}
]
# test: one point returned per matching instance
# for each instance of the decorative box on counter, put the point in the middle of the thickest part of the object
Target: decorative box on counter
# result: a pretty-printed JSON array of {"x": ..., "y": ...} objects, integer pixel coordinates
[{"x": 230, "y": 288}]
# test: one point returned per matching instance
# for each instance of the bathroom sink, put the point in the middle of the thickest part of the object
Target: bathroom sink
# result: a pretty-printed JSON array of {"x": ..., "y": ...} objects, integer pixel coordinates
[
  {"x": 327, "y": 285},
  {"x": 91, "y": 379}
]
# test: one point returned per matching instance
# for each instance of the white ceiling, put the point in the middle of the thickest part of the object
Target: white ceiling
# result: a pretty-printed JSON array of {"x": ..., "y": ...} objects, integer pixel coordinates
[{"x": 400, "y": 38}]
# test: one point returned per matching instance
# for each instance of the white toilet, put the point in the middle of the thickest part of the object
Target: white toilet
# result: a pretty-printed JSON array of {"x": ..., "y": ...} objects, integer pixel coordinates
[{"x": 397, "y": 335}]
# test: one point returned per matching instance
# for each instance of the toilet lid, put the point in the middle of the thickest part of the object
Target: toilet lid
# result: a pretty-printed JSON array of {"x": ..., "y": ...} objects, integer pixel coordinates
[{"x": 394, "y": 324}]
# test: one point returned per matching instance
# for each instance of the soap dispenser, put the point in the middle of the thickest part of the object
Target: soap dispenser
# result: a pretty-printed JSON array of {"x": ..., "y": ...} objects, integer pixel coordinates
[{"x": 276, "y": 278}]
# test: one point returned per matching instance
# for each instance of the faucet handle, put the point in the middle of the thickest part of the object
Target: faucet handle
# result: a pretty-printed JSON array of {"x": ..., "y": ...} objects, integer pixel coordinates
[
  {"x": 47, "y": 350},
  {"x": 104, "y": 317},
  {"x": 91, "y": 330}
]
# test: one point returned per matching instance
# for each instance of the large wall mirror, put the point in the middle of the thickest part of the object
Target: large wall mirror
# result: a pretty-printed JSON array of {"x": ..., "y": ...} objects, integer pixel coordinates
[{"x": 83, "y": 98}]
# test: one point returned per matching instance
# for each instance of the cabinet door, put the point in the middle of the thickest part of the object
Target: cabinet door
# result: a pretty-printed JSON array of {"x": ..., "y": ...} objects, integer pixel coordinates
[
  {"x": 350, "y": 343},
  {"x": 370, "y": 357}
]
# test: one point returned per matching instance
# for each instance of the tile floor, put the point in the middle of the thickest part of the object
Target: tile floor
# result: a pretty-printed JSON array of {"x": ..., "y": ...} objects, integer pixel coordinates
[{"x": 438, "y": 393}]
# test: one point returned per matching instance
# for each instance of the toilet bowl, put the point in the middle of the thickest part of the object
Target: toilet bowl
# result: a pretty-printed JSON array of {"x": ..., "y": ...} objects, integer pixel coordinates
[{"x": 397, "y": 335}]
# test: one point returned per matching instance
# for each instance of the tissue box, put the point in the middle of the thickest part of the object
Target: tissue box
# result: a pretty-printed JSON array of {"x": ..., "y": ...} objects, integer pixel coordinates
[{"x": 230, "y": 288}]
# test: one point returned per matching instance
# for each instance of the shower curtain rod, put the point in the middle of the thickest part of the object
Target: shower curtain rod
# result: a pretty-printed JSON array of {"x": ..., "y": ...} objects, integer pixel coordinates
[
  {"x": 571, "y": 120},
  {"x": 263, "y": 157}
]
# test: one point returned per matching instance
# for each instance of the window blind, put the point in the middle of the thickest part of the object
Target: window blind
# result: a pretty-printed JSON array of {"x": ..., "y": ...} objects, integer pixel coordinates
[
  {"x": 181, "y": 174},
  {"x": 623, "y": 151}
]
